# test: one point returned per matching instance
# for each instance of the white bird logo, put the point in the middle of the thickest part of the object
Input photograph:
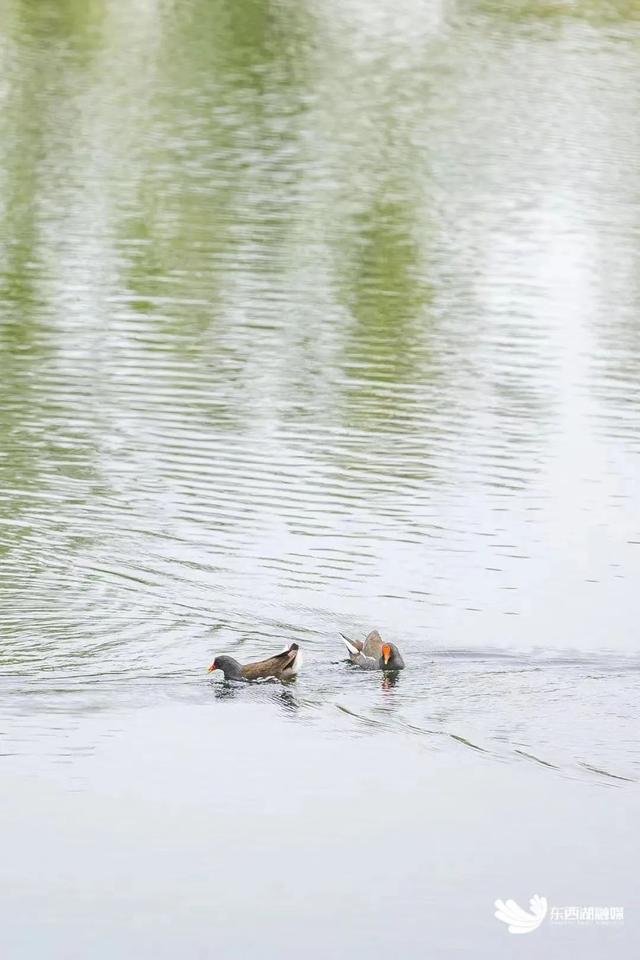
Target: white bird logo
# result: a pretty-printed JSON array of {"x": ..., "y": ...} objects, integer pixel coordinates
[{"x": 518, "y": 919}]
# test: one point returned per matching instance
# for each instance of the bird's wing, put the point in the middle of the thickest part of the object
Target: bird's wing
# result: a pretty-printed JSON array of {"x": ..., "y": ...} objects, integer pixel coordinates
[
  {"x": 272, "y": 667},
  {"x": 367, "y": 663},
  {"x": 372, "y": 646}
]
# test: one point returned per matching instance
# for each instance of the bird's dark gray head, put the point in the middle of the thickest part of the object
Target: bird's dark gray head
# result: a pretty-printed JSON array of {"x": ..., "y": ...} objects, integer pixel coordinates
[
  {"x": 231, "y": 668},
  {"x": 391, "y": 658}
]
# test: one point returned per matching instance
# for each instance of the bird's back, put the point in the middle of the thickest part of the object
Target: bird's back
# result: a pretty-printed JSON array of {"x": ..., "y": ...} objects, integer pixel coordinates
[{"x": 275, "y": 666}]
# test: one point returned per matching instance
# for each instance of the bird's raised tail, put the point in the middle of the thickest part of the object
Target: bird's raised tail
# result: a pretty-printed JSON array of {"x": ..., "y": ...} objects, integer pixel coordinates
[
  {"x": 350, "y": 645},
  {"x": 354, "y": 647},
  {"x": 295, "y": 658}
]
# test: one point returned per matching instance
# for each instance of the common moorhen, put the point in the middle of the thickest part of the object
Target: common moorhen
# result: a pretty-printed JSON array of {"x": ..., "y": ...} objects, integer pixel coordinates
[
  {"x": 284, "y": 666},
  {"x": 373, "y": 653}
]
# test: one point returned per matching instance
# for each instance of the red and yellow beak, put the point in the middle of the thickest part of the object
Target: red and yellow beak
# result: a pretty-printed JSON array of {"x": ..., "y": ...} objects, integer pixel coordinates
[
  {"x": 212, "y": 667},
  {"x": 386, "y": 653}
]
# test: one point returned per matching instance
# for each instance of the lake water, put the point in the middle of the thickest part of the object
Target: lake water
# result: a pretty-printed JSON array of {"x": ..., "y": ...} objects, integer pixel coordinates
[{"x": 318, "y": 317}]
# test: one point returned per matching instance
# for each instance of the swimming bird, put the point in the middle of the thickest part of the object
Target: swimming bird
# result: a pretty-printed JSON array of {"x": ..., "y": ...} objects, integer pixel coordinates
[
  {"x": 374, "y": 653},
  {"x": 284, "y": 666}
]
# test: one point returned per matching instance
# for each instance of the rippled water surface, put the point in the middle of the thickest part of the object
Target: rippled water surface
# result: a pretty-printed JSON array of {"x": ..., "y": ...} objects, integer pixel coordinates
[{"x": 315, "y": 318}]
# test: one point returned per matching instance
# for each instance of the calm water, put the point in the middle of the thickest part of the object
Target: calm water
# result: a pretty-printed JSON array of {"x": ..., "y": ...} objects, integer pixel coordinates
[{"x": 318, "y": 317}]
